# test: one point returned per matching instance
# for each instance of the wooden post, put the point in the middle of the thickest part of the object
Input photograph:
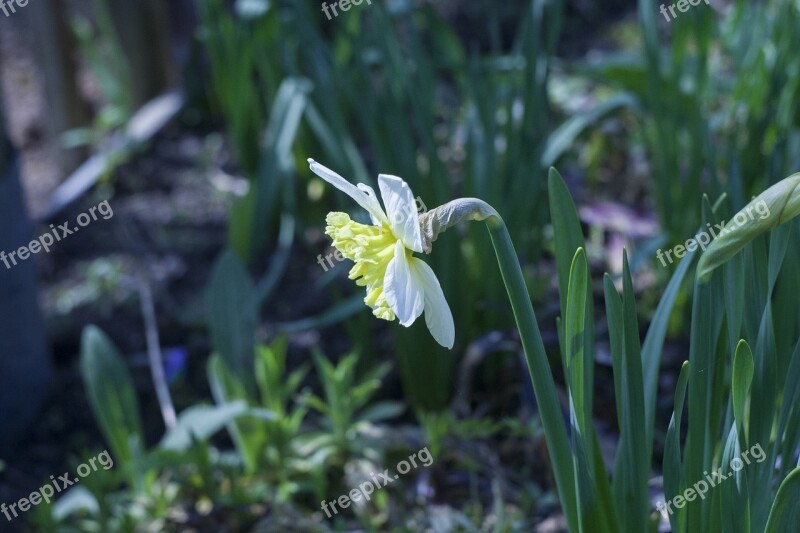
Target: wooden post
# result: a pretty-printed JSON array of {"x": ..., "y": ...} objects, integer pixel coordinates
[
  {"x": 143, "y": 33},
  {"x": 55, "y": 51}
]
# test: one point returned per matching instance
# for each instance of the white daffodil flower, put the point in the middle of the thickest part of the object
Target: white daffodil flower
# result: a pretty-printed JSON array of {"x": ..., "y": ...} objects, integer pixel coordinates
[{"x": 398, "y": 284}]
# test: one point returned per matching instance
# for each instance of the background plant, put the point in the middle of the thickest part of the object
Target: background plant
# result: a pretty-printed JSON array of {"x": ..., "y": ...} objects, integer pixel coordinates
[
  {"x": 294, "y": 370},
  {"x": 719, "y": 391}
]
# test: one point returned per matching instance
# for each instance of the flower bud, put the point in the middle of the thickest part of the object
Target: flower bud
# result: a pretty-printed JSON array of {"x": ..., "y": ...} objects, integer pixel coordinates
[
  {"x": 441, "y": 218},
  {"x": 775, "y": 206}
]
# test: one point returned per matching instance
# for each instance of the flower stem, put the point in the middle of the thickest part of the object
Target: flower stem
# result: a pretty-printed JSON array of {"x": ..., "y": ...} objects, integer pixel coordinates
[{"x": 542, "y": 378}]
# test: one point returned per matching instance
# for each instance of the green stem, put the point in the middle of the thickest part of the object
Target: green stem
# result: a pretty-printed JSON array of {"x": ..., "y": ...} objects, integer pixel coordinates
[{"x": 542, "y": 378}]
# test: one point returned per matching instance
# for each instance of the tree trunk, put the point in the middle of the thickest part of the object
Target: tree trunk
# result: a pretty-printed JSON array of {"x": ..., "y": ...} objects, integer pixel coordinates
[{"x": 25, "y": 367}]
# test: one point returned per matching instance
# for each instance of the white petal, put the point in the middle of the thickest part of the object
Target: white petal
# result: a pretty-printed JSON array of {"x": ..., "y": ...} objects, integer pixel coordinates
[
  {"x": 401, "y": 208},
  {"x": 365, "y": 200},
  {"x": 371, "y": 193},
  {"x": 404, "y": 295},
  {"x": 437, "y": 313}
]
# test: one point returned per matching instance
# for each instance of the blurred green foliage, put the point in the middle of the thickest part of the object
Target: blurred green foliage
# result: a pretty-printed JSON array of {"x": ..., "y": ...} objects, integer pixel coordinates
[
  {"x": 718, "y": 104},
  {"x": 281, "y": 457},
  {"x": 393, "y": 89}
]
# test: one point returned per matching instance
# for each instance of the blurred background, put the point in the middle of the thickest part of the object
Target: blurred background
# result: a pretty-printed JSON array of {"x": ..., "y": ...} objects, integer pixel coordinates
[{"x": 235, "y": 378}]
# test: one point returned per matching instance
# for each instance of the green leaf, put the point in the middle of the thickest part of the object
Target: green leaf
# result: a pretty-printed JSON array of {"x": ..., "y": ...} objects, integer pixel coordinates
[
  {"x": 632, "y": 461},
  {"x": 734, "y": 502},
  {"x": 538, "y": 369},
  {"x": 200, "y": 422},
  {"x": 574, "y": 326},
  {"x": 785, "y": 514},
  {"x": 563, "y": 137},
  {"x": 279, "y": 261},
  {"x": 567, "y": 233},
  {"x": 654, "y": 341},
  {"x": 333, "y": 315},
  {"x": 705, "y": 389},
  {"x": 778, "y": 244},
  {"x": 382, "y": 411},
  {"x": 232, "y": 318},
  {"x": 791, "y": 404},
  {"x": 111, "y": 393},
  {"x": 249, "y": 435},
  {"x": 76, "y": 499},
  {"x": 733, "y": 279},
  {"x": 740, "y": 387},
  {"x": 765, "y": 381},
  {"x": 276, "y": 166},
  {"x": 616, "y": 337},
  {"x": 568, "y": 238},
  {"x": 583, "y": 435},
  {"x": 673, "y": 466}
]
